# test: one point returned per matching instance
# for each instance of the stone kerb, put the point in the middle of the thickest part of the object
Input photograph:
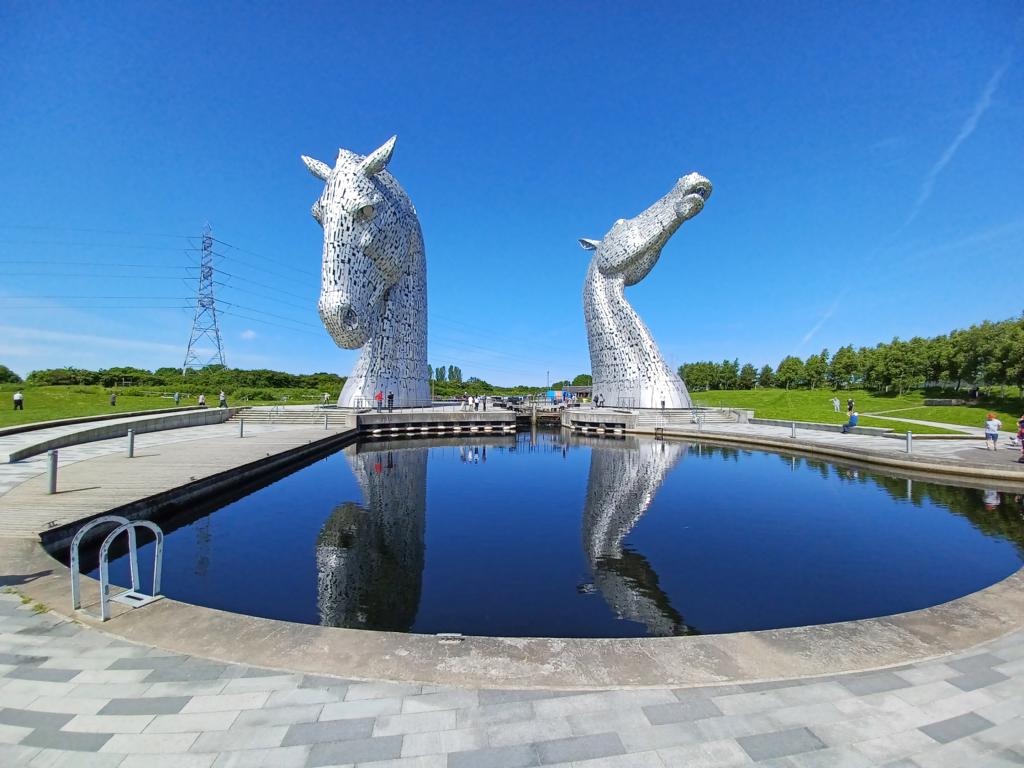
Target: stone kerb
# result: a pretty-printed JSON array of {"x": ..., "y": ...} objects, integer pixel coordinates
[
  {"x": 819, "y": 427},
  {"x": 176, "y": 420}
]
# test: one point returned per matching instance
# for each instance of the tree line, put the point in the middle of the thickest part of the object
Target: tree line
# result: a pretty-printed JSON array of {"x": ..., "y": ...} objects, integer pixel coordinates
[
  {"x": 452, "y": 374},
  {"x": 989, "y": 354},
  {"x": 211, "y": 377}
]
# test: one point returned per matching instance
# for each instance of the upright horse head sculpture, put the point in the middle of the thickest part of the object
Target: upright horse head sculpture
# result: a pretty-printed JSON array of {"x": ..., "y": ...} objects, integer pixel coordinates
[
  {"x": 373, "y": 291},
  {"x": 625, "y": 362}
]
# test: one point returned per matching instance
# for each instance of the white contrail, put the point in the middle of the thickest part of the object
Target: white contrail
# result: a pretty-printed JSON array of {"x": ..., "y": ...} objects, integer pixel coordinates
[
  {"x": 980, "y": 108},
  {"x": 821, "y": 321}
]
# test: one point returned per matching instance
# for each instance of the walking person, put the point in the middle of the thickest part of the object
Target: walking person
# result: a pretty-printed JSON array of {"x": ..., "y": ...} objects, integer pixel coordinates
[
  {"x": 201, "y": 402},
  {"x": 177, "y": 398},
  {"x": 223, "y": 400},
  {"x": 992, "y": 427},
  {"x": 113, "y": 399},
  {"x": 849, "y": 405},
  {"x": 391, "y": 402},
  {"x": 835, "y": 404},
  {"x": 19, "y": 401},
  {"x": 484, "y": 401},
  {"x": 379, "y": 397}
]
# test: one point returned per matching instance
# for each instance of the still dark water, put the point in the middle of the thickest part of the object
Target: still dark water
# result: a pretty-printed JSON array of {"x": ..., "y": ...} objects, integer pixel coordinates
[{"x": 560, "y": 535}]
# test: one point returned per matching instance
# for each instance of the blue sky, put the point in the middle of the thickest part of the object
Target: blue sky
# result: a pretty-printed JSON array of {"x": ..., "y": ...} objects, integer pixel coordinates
[{"x": 866, "y": 158}]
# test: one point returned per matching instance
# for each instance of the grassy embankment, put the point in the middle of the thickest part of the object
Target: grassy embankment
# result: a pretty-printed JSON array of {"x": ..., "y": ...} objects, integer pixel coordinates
[
  {"x": 816, "y": 405},
  {"x": 64, "y": 402}
]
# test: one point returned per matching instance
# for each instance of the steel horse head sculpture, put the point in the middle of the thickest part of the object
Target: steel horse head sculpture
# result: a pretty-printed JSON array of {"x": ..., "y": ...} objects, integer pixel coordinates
[
  {"x": 625, "y": 362},
  {"x": 373, "y": 292}
]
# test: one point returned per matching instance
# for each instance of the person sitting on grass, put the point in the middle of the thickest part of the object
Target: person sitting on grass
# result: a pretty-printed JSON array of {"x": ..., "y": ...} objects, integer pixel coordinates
[{"x": 854, "y": 418}]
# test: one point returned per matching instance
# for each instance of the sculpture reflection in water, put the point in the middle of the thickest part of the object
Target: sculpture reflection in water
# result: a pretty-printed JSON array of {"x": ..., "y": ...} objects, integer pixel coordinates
[
  {"x": 625, "y": 475},
  {"x": 370, "y": 556}
]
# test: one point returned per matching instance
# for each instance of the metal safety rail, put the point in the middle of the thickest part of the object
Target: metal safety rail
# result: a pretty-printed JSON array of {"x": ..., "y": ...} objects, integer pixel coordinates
[{"x": 133, "y": 597}]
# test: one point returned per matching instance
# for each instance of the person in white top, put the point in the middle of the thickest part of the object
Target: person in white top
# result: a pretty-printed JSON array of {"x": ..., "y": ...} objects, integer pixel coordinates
[{"x": 992, "y": 427}]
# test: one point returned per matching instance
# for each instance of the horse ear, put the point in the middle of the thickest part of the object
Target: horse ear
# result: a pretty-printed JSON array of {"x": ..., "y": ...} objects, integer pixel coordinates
[
  {"x": 588, "y": 244},
  {"x": 318, "y": 169},
  {"x": 378, "y": 160}
]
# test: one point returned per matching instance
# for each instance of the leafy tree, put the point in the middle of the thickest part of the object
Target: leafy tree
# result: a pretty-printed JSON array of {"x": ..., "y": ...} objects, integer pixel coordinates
[
  {"x": 7, "y": 376},
  {"x": 766, "y": 377},
  {"x": 439, "y": 374},
  {"x": 728, "y": 374},
  {"x": 815, "y": 369},
  {"x": 560, "y": 384},
  {"x": 790, "y": 372},
  {"x": 699, "y": 376},
  {"x": 458, "y": 374},
  {"x": 748, "y": 377},
  {"x": 583, "y": 380},
  {"x": 842, "y": 367}
]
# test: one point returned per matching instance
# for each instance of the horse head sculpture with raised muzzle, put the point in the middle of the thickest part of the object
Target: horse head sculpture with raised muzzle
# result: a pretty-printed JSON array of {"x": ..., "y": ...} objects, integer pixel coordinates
[
  {"x": 625, "y": 363},
  {"x": 373, "y": 292}
]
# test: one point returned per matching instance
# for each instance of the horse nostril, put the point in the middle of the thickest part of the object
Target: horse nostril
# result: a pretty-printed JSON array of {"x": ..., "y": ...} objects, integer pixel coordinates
[{"x": 349, "y": 319}]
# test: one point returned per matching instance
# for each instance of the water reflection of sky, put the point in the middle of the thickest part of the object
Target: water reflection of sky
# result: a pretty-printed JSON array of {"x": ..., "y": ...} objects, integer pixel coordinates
[{"x": 586, "y": 537}]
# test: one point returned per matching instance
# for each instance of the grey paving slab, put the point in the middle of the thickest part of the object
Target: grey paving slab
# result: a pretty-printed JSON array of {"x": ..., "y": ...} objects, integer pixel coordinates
[
  {"x": 355, "y": 751},
  {"x": 765, "y": 746},
  {"x": 956, "y": 727},
  {"x": 875, "y": 682},
  {"x": 43, "y": 675},
  {"x": 978, "y": 678},
  {"x": 53, "y": 739},
  {"x": 683, "y": 711},
  {"x": 521, "y": 756},
  {"x": 579, "y": 748},
  {"x": 156, "y": 705},
  {"x": 29, "y": 719},
  {"x": 335, "y": 730}
]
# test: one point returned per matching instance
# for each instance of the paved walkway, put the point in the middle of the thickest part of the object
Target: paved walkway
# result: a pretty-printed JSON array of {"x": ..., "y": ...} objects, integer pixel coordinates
[
  {"x": 80, "y": 698},
  {"x": 72, "y": 696}
]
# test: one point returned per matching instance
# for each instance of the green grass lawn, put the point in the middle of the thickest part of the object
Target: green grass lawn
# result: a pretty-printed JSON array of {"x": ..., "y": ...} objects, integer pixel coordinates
[
  {"x": 816, "y": 405},
  {"x": 63, "y": 402},
  {"x": 969, "y": 415}
]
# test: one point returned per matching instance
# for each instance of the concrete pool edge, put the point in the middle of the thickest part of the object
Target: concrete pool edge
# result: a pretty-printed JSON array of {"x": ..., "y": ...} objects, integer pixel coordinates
[
  {"x": 545, "y": 663},
  {"x": 534, "y": 663}
]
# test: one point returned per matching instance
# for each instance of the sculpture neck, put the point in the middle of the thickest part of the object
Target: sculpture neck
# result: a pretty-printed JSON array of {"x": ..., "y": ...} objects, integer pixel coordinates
[
  {"x": 394, "y": 359},
  {"x": 625, "y": 362}
]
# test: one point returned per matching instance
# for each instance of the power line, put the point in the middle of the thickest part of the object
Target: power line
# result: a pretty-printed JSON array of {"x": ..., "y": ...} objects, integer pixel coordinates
[
  {"x": 96, "y": 231},
  {"x": 265, "y": 258}
]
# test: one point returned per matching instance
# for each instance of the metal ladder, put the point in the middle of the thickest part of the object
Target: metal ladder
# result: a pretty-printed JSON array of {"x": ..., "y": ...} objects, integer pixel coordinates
[{"x": 134, "y": 597}]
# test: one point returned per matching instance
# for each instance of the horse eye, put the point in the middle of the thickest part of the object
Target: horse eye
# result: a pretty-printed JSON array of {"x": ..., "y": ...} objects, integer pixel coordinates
[{"x": 366, "y": 212}]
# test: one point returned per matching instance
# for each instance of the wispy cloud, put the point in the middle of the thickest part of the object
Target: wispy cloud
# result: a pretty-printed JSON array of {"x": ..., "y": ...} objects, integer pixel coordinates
[
  {"x": 821, "y": 321},
  {"x": 981, "y": 106},
  {"x": 248, "y": 334},
  {"x": 62, "y": 337}
]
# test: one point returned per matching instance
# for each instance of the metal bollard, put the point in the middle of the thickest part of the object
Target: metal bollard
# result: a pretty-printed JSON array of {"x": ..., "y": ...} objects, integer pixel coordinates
[
  {"x": 910, "y": 441},
  {"x": 52, "y": 456},
  {"x": 325, "y": 421},
  {"x": 793, "y": 431},
  {"x": 241, "y": 427},
  {"x": 131, "y": 443}
]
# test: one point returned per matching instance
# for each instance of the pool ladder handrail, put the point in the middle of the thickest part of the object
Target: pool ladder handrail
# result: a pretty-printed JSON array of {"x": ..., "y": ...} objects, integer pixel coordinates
[{"x": 133, "y": 597}]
